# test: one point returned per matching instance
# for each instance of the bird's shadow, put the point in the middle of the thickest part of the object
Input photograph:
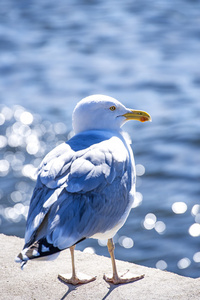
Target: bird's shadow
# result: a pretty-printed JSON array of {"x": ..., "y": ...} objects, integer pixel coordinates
[
  {"x": 113, "y": 287},
  {"x": 71, "y": 288},
  {"x": 110, "y": 289}
]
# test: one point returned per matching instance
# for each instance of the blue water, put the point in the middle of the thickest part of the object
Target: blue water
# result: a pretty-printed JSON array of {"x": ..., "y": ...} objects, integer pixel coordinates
[{"x": 144, "y": 53}]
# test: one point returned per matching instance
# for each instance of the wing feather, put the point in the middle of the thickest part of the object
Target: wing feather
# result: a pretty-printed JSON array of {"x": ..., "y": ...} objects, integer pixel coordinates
[{"x": 67, "y": 205}]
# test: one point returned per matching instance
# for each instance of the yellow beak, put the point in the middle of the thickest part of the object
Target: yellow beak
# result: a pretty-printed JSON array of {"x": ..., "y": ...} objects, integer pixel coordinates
[{"x": 138, "y": 115}]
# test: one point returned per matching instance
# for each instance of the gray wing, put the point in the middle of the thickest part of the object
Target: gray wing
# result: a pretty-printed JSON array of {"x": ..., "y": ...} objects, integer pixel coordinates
[
  {"x": 49, "y": 185},
  {"x": 80, "y": 192}
]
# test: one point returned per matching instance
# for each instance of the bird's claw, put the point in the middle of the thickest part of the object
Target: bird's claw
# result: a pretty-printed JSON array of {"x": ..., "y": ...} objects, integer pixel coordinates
[
  {"x": 115, "y": 279},
  {"x": 75, "y": 280}
]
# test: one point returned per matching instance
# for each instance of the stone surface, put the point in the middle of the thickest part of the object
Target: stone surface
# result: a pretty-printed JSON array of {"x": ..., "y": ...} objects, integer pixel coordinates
[{"x": 39, "y": 279}]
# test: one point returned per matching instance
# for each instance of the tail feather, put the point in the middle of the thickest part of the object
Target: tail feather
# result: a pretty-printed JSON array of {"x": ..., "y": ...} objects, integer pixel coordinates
[{"x": 38, "y": 249}]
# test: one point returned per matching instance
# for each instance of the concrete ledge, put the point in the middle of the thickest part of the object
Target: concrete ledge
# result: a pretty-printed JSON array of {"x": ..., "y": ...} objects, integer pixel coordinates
[{"x": 39, "y": 279}]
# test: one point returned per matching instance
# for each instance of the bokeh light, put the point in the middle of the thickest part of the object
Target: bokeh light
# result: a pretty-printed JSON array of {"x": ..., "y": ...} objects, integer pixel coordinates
[
  {"x": 26, "y": 118},
  {"x": 179, "y": 207},
  {"x": 196, "y": 257},
  {"x": 161, "y": 265},
  {"x": 102, "y": 243},
  {"x": 195, "y": 210},
  {"x": 137, "y": 200},
  {"x": 160, "y": 227},
  {"x": 126, "y": 242},
  {"x": 3, "y": 141},
  {"x": 194, "y": 230},
  {"x": 140, "y": 170},
  {"x": 4, "y": 167},
  {"x": 184, "y": 263},
  {"x": 2, "y": 119},
  {"x": 89, "y": 250},
  {"x": 149, "y": 221}
]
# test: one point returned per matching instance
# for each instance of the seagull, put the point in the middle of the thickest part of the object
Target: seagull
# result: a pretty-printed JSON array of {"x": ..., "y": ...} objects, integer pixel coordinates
[{"x": 85, "y": 187}]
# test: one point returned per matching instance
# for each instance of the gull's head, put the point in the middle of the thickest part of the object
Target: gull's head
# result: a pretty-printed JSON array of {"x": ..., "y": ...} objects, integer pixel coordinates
[{"x": 103, "y": 112}]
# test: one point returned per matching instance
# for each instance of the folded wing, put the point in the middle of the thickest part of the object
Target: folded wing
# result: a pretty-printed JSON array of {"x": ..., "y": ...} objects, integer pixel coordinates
[{"x": 82, "y": 189}]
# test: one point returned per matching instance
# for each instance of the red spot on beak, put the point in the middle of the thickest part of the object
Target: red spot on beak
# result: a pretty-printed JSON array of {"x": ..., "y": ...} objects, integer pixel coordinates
[{"x": 143, "y": 119}]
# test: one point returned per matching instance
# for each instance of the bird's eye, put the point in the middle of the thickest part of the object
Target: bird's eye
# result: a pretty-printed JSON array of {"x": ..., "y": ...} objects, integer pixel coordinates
[{"x": 112, "y": 108}]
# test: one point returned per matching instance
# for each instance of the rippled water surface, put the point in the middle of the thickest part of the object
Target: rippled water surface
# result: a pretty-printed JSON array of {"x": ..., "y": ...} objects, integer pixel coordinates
[{"x": 145, "y": 54}]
